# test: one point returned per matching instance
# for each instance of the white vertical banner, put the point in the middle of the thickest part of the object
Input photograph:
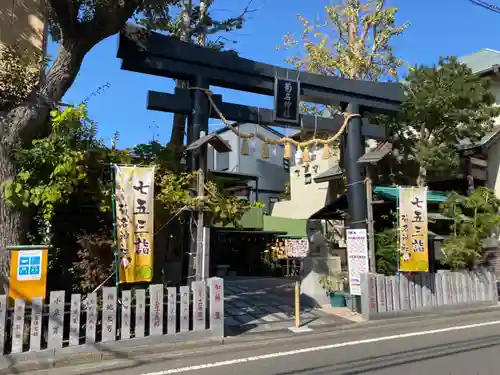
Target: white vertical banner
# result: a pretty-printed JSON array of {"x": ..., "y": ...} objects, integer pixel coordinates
[{"x": 357, "y": 258}]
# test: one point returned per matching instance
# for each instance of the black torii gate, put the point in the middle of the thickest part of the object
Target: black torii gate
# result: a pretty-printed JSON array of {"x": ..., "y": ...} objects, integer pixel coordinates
[{"x": 148, "y": 52}]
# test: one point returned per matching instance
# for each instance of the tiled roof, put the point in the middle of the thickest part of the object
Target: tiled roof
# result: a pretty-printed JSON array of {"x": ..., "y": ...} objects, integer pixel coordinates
[
  {"x": 392, "y": 192},
  {"x": 219, "y": 144},
  {"x": 329, "y": 174},
  {"x": 486, "y": 141},
  {"x": 377, "y": 154}
]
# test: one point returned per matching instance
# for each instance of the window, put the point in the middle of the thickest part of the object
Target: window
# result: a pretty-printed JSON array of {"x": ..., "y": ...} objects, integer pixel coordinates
[{"x": 222, "y": 161}]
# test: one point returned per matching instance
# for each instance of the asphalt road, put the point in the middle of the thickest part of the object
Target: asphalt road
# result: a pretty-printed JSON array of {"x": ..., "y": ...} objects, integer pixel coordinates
[{"x": 463, "y": 345}]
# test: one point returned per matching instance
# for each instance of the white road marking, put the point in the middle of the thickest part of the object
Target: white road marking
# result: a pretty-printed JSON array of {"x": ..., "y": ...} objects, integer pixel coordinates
[{"x": 319, "y": 348}]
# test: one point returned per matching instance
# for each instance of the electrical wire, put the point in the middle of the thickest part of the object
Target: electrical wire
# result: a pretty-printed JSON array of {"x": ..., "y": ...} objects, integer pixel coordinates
[{"x": 484, "y": 4}]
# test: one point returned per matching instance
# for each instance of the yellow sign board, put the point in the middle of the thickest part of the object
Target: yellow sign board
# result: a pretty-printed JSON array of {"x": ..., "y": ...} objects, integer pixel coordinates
[
  {"x": 28, "y": 272},
  {"x": 413, "y": 240},
  {"x": 134, "y": 191}
]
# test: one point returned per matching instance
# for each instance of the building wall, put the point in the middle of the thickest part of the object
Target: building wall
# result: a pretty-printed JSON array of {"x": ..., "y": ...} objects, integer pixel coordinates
[
  {"x": 272, "y": 176},
  {"x": 495, "y": 88},
  {"x": 494, "y": 168},
  {"x": 22, "y": 21},
  {"x": 494, "y": 150},
  {"x": 270, "y": 171},
  {"x": 306, "y": 199}
]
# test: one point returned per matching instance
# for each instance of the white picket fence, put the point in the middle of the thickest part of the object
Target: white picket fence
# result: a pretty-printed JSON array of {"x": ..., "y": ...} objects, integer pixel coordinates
[
  {"x": 139, "y": 314},
  {"x": 406, "y": 294}
]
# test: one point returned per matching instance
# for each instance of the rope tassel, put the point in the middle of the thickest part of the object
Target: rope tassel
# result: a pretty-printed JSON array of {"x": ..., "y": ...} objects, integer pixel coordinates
[
  {"x": 326, "y": 151},
  {"x": 288, "y": 151},
  {"x": 265, "y": 151},
  {"x": 305, "y": 155},
  {"x": 244, "y": 147}
]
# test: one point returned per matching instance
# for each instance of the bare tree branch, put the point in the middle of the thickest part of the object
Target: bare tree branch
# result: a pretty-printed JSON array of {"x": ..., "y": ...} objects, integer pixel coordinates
[{"x": 216, "y": 27}]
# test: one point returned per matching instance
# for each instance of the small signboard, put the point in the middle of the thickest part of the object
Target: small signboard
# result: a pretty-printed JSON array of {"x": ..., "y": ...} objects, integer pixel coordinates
[
  {"x": 28, "y": 272},
  {"x": 357, "y": 258},
  {"x": 286, "y": 101}
]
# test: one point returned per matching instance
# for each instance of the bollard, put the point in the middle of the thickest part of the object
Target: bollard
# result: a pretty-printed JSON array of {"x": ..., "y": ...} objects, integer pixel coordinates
[{"x": 297, "y": 304}]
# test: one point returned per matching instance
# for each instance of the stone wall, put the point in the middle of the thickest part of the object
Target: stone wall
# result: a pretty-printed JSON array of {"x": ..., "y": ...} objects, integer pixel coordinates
[{"x": 405, "y": 294}]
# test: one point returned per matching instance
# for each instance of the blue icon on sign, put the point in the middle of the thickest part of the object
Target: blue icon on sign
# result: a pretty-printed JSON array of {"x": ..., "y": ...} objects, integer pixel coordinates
[
  {"x": 29, "y": 266},
  {"x": 24, "y": 261}
]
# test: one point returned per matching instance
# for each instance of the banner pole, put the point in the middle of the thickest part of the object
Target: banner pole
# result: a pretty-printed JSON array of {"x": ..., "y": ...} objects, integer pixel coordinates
[
  {"x": 113, "y": 210},
  {"x": 398, "y": 232}
]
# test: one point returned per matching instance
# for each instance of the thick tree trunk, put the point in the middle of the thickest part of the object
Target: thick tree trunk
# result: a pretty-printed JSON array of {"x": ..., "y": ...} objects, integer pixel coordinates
[
  {"x": 11, "y": 223},
  {"x": 23, "y": 124},
  {"x": 30, "y": 119}
]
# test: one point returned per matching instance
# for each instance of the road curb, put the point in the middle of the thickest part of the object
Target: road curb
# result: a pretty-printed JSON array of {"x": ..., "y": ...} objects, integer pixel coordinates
[
  {"x": 48, "y": 359},
  {"x": 378, "y": 323}
]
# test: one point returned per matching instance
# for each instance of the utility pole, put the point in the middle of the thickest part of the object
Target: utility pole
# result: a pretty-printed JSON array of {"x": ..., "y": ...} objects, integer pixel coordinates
[
  {"x": 200, "y": 253},
  {"x": 200, "y": 129},
  {"x": 369, "y": 220},
  {"x": 199, "y": 122}
]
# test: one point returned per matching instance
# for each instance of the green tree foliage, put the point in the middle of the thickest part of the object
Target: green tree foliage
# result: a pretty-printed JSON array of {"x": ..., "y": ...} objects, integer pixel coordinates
[
  {"x": 77, "y": 26},
  {"x": 386, "y": 249},
  {"x": 51, "y": 169},
  {"x": 353, "y": 42},
  {"x": 19, "y": 75},
  {"x": 475, "y": 218},
  {"x": 64, "y": 180},
  {"x": 445, "y": 104}
]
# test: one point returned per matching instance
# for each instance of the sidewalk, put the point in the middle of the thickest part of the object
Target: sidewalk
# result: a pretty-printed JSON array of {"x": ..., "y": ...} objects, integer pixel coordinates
[
  {"x": 147, "y": 349},
  {"x": 259, "y": 305}
]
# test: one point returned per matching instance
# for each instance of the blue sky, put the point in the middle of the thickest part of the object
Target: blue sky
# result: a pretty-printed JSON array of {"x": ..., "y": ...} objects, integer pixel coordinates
[{"x": 438, "y": 28}]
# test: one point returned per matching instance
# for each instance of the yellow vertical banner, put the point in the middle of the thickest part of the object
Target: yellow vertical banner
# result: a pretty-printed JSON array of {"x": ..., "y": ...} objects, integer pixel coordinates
[
  {"x": 413, "y": 228},
  {"x": 134, "y": 190}
]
